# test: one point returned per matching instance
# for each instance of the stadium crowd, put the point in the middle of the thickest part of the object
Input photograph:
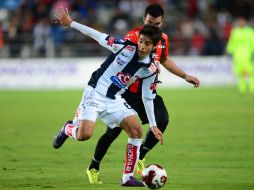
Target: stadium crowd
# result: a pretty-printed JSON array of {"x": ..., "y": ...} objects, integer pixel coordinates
[{"x": 194, "y": 27}]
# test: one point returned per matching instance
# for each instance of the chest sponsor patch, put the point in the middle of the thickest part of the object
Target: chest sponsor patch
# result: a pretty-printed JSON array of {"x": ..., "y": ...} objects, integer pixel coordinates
[{"x": 121, "y": 79}]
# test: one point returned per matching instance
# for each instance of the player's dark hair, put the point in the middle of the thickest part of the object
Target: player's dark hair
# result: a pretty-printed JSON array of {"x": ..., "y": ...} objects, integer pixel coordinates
[
  {"x": 154, "y": 10},
  {"x": 153, "y": 32}
]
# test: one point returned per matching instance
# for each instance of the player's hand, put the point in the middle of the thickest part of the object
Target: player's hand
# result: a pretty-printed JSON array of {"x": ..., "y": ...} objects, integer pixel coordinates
[
  {"x": 193, "y": 80},
  {"x": 63, "y": 17},
  {"x": 157, "y": 133}
]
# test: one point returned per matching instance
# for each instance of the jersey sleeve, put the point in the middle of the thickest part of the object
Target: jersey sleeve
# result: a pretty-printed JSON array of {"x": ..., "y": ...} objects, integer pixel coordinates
[
  {"x": 111, "y": 43},
  {"x": 148, "y": 96},
  {"x": 132, "y": 36},
  {"x": 164, "y": 52}
]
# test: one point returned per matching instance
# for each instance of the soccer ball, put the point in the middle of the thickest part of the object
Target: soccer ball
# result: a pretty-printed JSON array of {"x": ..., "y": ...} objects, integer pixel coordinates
[{"x": 154, "y": 176}]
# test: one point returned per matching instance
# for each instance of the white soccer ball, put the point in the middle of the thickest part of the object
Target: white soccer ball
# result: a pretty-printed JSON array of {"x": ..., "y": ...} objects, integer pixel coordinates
[{"x": 154, "y": 176}]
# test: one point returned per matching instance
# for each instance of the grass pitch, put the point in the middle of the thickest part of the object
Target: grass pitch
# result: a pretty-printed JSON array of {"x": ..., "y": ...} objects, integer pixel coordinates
[{"x": 209, "y": 143}]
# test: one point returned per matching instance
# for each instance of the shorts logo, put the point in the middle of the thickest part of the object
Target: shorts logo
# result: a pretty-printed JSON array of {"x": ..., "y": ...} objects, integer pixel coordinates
[
  {"x": 120, "y": 61},
  {"x": 121, "y": 79}
]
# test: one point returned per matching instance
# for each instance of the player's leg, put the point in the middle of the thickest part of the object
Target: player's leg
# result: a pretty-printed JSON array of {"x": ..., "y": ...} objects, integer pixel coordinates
[
  {"x": 134, "y": 131},
  {"x": 82, "y": 127},
  {"x": 241, "y": 77},
  {"x": 80, "y": 132},
  {"x": 101, "y": 149},
  {"x": 102, "y": 146},
  {"x": 162, "y": 119}
]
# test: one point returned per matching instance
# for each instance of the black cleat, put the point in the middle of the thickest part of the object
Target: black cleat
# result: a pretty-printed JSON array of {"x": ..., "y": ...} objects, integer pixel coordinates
[{"x": 61, "y": 137}]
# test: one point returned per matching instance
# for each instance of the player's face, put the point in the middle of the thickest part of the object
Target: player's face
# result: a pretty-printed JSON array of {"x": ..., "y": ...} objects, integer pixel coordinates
[
  {"x": 145, "y": 46},
  {"x": 155, "y": 21}
]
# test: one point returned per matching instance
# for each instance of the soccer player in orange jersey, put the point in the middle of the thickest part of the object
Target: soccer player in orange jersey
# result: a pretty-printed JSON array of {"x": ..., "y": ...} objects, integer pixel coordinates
[{"x": 154, "y": 15}]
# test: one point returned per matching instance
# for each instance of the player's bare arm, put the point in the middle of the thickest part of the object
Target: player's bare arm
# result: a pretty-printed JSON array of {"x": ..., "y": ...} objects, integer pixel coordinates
[{"x": 173, "y": 68}]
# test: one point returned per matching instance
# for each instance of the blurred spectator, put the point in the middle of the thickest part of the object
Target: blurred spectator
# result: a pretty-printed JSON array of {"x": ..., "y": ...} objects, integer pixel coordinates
[
  {"x": 197, "y": 43},
  {"x": 42, "y": 36},
  {"x": 213, "y": 44},
  {"x": 1, "y": 37},
  {"x": 10, "y": 4},
  {"x": 14, "y": 40},
  {"x": 187, "y": 23},
  {"x": 119, "y": 24}
]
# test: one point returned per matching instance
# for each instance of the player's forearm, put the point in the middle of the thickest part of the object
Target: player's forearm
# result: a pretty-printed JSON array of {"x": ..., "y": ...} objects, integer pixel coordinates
[
  {"x": 149, "y": 107},
  {"x": 173, "y": 68},
  {"x": 96, "y": 35}
]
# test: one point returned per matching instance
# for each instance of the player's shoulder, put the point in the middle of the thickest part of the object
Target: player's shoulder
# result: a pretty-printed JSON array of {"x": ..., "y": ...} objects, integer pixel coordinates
[
  {"x": 133, "y": 34},
  {"x": 136, "y": 30},
  {"x": 164, "y": 36}
]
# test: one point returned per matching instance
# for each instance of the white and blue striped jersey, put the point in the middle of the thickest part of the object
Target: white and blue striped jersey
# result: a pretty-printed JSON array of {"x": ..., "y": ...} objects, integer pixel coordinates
[{"x": 121, "y": 68}]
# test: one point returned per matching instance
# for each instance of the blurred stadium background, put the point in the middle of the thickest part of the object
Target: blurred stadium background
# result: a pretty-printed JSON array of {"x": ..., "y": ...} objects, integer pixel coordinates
[
  {"x": 198, "y": 31},
  {"x": 194, "y": 27},
  {"x": 209, "y": 143}
]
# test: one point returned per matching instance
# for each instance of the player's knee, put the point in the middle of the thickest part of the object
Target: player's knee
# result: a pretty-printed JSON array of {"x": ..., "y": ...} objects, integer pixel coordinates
[
  {"x": 83, "y": 135},
  {"x": 136, "y": 132}
]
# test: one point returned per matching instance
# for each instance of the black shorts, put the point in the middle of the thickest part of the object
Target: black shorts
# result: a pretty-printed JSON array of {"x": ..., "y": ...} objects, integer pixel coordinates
[{"x": 135, "y": 101}]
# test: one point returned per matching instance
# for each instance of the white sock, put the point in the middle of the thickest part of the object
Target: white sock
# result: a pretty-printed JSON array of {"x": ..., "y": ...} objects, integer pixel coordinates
[
  {"x": 132, "y": 155},
  {"x": 71, "y": 131}
]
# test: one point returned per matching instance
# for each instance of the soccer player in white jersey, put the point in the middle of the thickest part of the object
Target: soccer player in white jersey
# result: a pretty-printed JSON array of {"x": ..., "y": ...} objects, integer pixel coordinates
[{"x": 102, "y": 97}]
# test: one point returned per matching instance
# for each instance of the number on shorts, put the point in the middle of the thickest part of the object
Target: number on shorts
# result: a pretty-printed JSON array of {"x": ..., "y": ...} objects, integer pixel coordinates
[{"x": 127, "y": 105}]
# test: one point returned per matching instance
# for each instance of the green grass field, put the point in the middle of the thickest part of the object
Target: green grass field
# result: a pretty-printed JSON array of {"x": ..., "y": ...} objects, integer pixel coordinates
[{"x": 209, "y": 143}]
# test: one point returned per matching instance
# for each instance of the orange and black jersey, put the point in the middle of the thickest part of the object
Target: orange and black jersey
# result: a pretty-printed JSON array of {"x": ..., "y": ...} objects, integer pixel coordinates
[{"x": 159, "y": 52}]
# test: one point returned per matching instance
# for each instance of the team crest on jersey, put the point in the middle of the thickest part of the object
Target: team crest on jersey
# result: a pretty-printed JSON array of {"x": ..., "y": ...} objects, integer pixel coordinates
[
  {"x": 121, "y": 79},
  {"x": 120, "y": 61}
]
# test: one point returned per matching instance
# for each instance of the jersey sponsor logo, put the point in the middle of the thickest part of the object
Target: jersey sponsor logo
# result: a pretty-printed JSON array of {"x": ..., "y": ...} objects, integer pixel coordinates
[
  {"x": 121, "y": 79},
  {"x": 160, "y": 46},
  {"x": 131, "y": 158},
  {"x": 130, "y": 48},
  {"x": 125, "y": 55},
  {"x": 120, "y": 61}
]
